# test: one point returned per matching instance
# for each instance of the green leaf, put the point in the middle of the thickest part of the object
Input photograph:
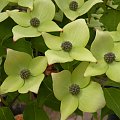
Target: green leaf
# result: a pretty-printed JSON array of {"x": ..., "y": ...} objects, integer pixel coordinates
[
  {"x": 6, "y": 114},
  {"x": 33, "y": 112},
  {"x": 20, "y": 45},
  {"x": 110, "y": 19},
  {"x": 112, "y": 97}
]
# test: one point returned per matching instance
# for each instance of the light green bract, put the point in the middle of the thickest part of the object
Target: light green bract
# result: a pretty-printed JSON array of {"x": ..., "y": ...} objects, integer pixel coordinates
[
  {"x": 16, "y": 62},
  {"x": 102, "y": 45},
  {"x": 83, "y": 7},
  {"x": 77, "y": 33},
  {"x": 24, "y": 3},
  {"x": 88, "y": 89},
  {"x": 44, "y": 11}
]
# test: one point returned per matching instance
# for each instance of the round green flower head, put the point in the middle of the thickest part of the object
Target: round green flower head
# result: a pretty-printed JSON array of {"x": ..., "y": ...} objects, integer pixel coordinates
[
  {"x": 25, "y": 74},
  {"x": 73, "y": 5},
  {"x": 35, "y": 22},
  {"x": 109, "y": 57},
  {"x": 66, "y": 46},
  {"x": 74, "y": 89}
]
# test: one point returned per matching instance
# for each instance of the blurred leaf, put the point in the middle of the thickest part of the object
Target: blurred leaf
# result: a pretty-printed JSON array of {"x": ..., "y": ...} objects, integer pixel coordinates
[
  {"x": 43, "y": 94},
  {"x": 6, "y": 114},
  {"x": 33, "y": 112},
  {"x": 20, "y": 45},
  {"x": 112, "y": 97},
  {"x": 110, "y": 19},
  {"x": 38, "y": 44}
]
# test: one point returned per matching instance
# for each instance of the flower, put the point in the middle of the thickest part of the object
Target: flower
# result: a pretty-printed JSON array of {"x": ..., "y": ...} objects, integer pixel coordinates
[
  {"x": 24, "y": 73},
  {"x": 76, "y": 91},
  {"x": 70, "y": 45},
  {"x": 74, "y": 8},
  {"x": 107, "y": 54},
  {"x": 33, "y": 23}
]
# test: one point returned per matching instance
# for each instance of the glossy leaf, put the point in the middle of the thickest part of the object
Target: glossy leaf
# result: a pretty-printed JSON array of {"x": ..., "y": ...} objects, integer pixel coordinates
[
  {"x": 34, "y": 112},
  {"x": 112, "y": 96},
  {"x": 6, "y": 114}
]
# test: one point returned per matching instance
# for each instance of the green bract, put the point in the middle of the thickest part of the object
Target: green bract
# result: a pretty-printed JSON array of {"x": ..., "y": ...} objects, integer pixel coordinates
[
  {"x": 24, "y": 73},
  {"x": 44, "y": 11},
  {"x": 102, "y": 45},
  {"x": 83, "y": 7},
  {"x": 25, "y": 3},
  {"x": 88, "y": 89},
  {"x": 76, "y": 35},
  {"x": 3, "y": 16}
]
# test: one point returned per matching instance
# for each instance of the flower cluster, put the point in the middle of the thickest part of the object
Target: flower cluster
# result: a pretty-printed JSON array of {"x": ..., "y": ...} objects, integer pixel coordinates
[{"x": 64, "y": 44}]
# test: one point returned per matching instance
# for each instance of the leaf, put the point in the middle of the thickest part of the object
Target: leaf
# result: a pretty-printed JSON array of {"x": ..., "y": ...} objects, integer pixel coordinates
[
  {"x": 6, "y": 114},
  {"x": 110, "y": 19},
  {"x": 112, "y": 97},
  {"x": 33, "y": 112},
  {"x": 20, "y": 45}
]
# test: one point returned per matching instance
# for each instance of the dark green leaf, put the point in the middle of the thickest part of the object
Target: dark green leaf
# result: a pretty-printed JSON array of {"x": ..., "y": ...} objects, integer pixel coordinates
[
  {"x": 110, "y": 19},
  {"x": 112, "y": 97},
  {"x": 6, "y": 114},
  {"x": 33, "y": 112}
]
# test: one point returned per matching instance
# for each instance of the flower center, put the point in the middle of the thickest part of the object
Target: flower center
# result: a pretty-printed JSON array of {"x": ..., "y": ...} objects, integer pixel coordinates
[
  {"x": 66, "y": 46},
  {"x": 35, "y": 22},
  {"x": 74, "y": 89},
  {"x": 73, "y": 6},
  {"x": 109, "y": 57},
  {"x": 25, "y": 74}
]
